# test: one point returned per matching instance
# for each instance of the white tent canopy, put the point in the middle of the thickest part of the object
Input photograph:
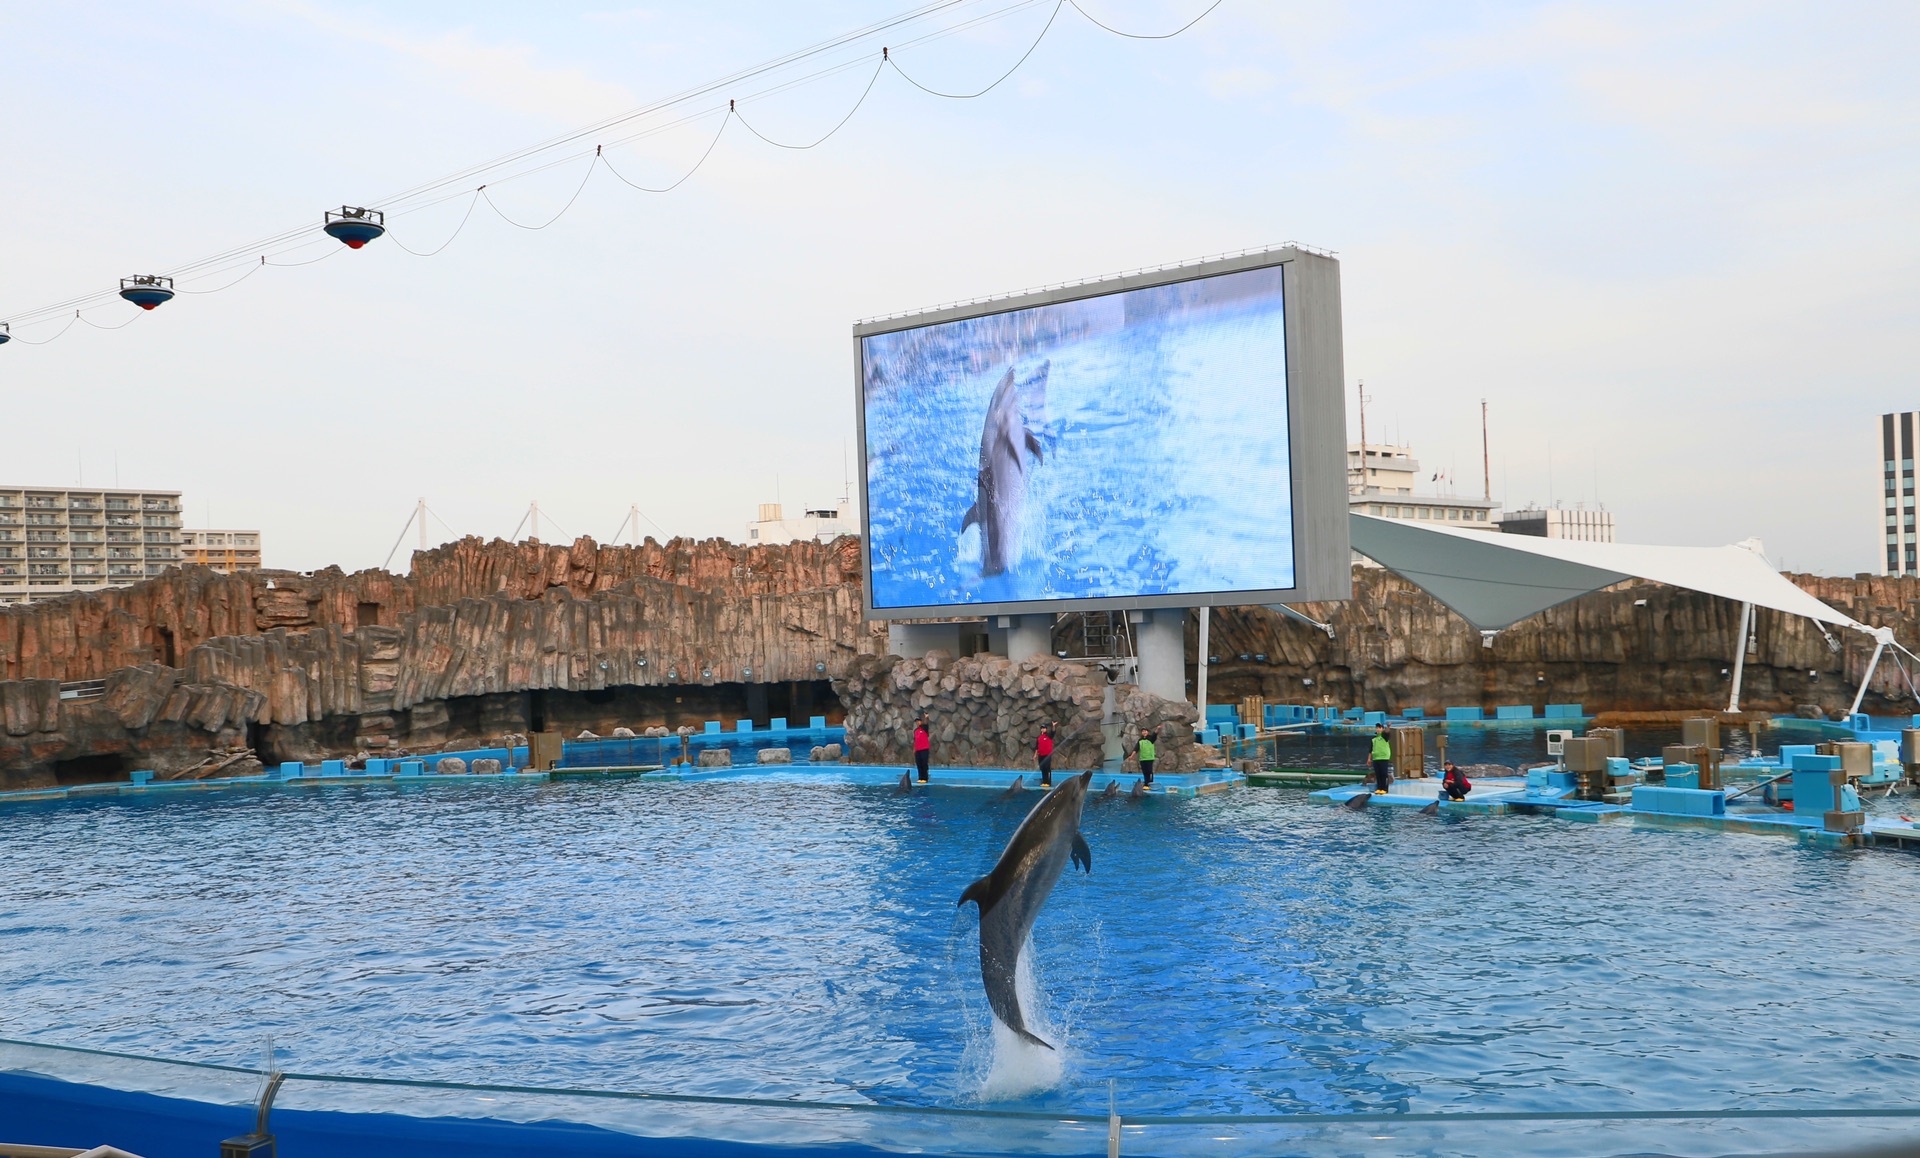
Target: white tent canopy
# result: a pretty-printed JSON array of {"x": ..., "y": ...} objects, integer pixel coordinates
[{"x": 1494, "y": 580}]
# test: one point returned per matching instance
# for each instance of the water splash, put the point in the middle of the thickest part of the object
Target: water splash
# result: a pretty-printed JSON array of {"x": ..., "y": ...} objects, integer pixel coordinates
[{"x": 1018, "y": 1067}]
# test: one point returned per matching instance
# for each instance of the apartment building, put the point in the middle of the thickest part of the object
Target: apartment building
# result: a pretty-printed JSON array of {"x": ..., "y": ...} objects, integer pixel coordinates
[
  {"x": 57, "y": 540},
  {"x": 1896, "y": 461},
  {"x": 227, "y": 551}
]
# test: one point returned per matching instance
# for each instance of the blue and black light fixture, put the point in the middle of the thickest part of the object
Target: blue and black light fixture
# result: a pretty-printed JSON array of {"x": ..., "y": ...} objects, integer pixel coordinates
[
  {"x": 5, "y": 337},
  {"x": 146, "y": 290},
  {"x": 355, "y": 226}
]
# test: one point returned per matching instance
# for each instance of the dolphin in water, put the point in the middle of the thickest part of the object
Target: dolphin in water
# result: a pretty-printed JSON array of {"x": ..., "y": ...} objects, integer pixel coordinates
[
  {"x": 905, "y": 787},
  {"x": 1001, "y": 485},
  {"x": 1138, "y": 791},
  {"x": 1356, "y": 803},
  {"x": 1011, "y": 895},
  {"x": 1014, "y": 789},
  {"x": 1112, "y": 792}
]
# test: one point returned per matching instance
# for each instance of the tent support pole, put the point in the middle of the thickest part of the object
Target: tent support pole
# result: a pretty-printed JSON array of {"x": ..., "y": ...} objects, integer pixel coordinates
[
  {"x": 1740, "y": 655},
  {"x": 1200, "y": 662},
  {"x": 1879, "y": 646}
]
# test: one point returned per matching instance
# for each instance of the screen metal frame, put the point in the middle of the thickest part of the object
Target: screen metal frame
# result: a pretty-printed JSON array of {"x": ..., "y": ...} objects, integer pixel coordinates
[{"x": 1316, "y": 435}]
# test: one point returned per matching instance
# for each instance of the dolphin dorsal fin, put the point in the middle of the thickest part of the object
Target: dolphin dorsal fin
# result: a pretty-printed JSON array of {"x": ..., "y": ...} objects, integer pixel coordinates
[{"x": 977, "y": 893}]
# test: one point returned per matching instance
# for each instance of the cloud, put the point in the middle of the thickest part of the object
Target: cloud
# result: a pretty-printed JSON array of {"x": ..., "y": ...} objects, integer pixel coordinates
[
  {"x": 1227, "y": 84},
  {"x": 508, "y": 75}
]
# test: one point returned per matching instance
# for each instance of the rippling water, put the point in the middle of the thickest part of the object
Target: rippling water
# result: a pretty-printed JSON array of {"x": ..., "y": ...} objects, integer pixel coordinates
[{"x": 1249, "y": 952}]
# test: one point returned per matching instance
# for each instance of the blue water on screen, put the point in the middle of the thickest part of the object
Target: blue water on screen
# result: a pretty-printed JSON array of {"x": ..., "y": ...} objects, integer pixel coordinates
[
  {"x": 1247, "y": 952},
  {"x": 1163, "y": 468}
]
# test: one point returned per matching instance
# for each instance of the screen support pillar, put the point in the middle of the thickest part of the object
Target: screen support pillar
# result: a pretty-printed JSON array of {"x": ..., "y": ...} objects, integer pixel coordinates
[
  {"x": 1161, "y": 645},
  {"x": 1028, "y": 636}
]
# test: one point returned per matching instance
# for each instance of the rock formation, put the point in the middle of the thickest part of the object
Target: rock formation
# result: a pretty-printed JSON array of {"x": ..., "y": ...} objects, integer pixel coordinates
[{"x": 986, "y": 711}]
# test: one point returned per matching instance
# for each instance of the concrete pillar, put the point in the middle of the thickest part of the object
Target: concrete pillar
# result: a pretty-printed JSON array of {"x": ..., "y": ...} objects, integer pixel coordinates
[
  {"x": 1161, "y": 642},
  {"x": 1028, "y": 635}
]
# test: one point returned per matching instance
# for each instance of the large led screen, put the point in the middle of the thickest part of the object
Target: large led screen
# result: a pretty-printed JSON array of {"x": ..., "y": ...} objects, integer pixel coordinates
[{"x": 1124, "y": 445}]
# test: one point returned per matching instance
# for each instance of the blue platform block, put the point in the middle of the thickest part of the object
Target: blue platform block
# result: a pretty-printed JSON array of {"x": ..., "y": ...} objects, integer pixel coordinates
[
  {"x": 411, "y": 768},
  {"x": 1514, "y": 712},
  {"x": 817, "y": 723},
  {"x": 1248, "y": 731},
  {"x": 1209, "y": 735},
  {"x": 1463, "y": 714},
  {"x": 141, "y": 777},
  {"x": 1413, "y": 713},
  {"x": 1618, "y": 766},
  {"x": 777, "y": 724},
  {"x": 1372, "y": 718},
  {"x": 333, "y": 767},
  {"x": 1673, "y": 801},
  {"x": 1222, "y": 714},
  {"x": 292, "y": 769},
  {"x": 1789, "y": 751},
  {"x": 1563, "y": 712},
  {"x": 1536, "y": 778},
  {"x": 711, "y": 728},
  {"x": 1558, "y": 779},
  {"x": 743, "y": 725},
  {"x": 379, "y": 766}
]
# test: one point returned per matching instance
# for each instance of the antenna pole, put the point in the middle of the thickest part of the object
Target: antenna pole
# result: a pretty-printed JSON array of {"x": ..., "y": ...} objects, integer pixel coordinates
[
  {"x": 1360, "y": 389},
  {"x": 534, "y": 511},
  {"x": 1486, "y": 456},
  {"x": 420, "y": 513}
]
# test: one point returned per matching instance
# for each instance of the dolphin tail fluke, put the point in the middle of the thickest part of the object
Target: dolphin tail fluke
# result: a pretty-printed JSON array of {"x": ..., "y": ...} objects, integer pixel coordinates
[
  {"x": 1082, "y": 855},
  {"x": 1025, "y": 1036},
  {"x": 971, "y": 517},
  {"x": 977, "y": 893},
  {"x": 1431, "y": 809}
]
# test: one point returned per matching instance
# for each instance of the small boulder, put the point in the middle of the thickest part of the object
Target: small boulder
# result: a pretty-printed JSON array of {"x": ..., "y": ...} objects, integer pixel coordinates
[
  {"x": 623, "y": 733},
  {"x": 830, "y": 752},
  {"x": 450, "y": 766},
  {"x": 715, "y": 758},
  {"x": 586, "y": 735},
  {"x": 817, "y": 753},
  {"x": 775, "y": 756},
  {"x": 485, "y": 766},
  {"x": 657, "y": 733}
]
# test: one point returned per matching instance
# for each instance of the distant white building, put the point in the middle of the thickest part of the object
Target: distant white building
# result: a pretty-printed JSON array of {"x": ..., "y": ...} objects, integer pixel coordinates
[
  {"x": 1590, "y": 526},
  {"x": 1381, "y": 482},
  {"x": 821, "y": 525}
]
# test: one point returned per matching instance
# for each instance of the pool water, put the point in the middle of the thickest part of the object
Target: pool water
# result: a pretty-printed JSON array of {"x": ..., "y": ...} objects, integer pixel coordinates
[{"x": 1249, "y": 952}]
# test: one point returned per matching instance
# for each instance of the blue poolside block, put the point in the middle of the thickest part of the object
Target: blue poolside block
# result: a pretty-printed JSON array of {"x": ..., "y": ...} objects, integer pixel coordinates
[
  {"x": 777, "y": 724},
  {"x": 1810, "y": 762},
  {"x": 1372, "y": 718},
  {"x": 1618, "y": 766},
  {"x": 1671, "y": 801},
  {"x": 1536, "y": 778},
  {"x": 333, "y": 767},
  {"x": 1563, "y": 712},
  {"x": 1558, "y": 779},
  {"x": 711, "y": 728},
  {"x": 1210, "y": 735},
  {"x": 1813, "y": 789},
  {"x": 411, "y": 768},
  {"x": 816, "y": 722},
  {"x": 1222, "y": 714},
  {"x": 144, "y": 776},
  {"x": 292, "y": 769},
  {"x": 1514, "y": 712},
  {"x": 1248, "y": 731},
  {"x": 1413, "y": 713},
  {"x": 1466, "y": 714},
  {"x": 379, "y": 766},
  {"x": 743, "y": 725}
]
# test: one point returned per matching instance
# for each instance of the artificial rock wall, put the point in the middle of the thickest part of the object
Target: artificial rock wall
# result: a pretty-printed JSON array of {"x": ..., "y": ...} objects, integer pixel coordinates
[{"x": 986, "y": 711}]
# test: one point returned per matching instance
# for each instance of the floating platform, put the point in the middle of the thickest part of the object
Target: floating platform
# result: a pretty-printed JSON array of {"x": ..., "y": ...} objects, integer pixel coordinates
[{"x": 1503, "y": 797}]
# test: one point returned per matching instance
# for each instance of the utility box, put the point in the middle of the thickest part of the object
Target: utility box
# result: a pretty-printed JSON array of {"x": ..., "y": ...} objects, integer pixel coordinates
[
  {"x": 1586, "y": 758},
  {"x": 1253, "y": 710},
  {"x": 1910, "y": 751},
  {"x": 1614, "y": 739},
  {"x": 1856, "y": 759},
  {"x": 1409, "y": 751},
  {"x": 1700, "y": 732},
  {"x": 543, "y": 751},
  {"x": 1557, "y": 740}
]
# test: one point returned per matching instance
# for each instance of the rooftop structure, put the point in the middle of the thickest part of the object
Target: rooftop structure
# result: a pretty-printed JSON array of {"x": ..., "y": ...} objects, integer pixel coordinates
[
  {"x": 819, "y": 524},
  {"x": 57, "y": 540},
  {"x": 1381, "y": 482},
  {"x": 1578, "y": 523},
  {"x": 227, "y": 551}
]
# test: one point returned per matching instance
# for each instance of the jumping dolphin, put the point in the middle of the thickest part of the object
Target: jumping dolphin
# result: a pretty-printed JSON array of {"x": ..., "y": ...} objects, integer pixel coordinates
[
  {"x": 1005, "y": 441},
  {"x": 1011, "y": 895},
  {"x": 905, "y": 787}
]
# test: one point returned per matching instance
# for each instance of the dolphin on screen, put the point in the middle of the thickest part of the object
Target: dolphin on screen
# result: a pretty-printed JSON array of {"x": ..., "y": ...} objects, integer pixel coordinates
[
  {"x": 1001, "y": 485},
  {"x": 1011, "y": 895}
]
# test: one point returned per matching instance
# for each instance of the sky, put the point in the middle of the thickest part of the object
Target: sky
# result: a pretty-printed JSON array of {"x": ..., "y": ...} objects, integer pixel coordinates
[{"x": 1674, "y": 247}]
